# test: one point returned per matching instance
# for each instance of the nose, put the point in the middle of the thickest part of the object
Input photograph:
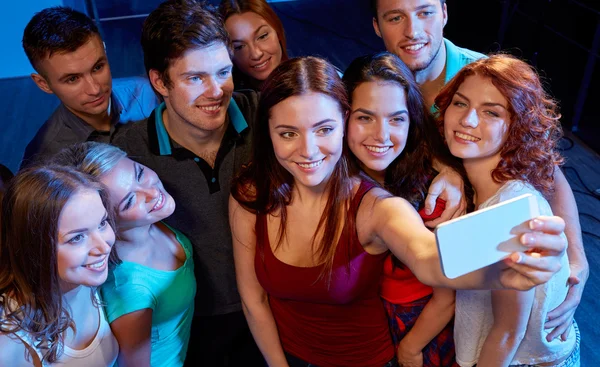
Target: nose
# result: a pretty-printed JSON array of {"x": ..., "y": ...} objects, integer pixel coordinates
[
  {"x": 309, "y": 148},
  {"x": 149, "y": 193},
  {"x": 470, "y": 119},
  {"x": 383, "y": 131},
  {"x": 213, "y": 89},
  {"x": 412, "y": 28},
  {"x": 255, "y": 52},
  {"x": 103, "y": 241},
  {"x": 92, "y": 87}
]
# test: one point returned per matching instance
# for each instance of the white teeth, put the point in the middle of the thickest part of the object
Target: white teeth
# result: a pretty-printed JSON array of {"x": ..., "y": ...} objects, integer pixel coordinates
[
  {"x": 210, "y": 108},
  {"x": 97, "y": 265},
  {"x": 159, "y": 201},
  {"x": 310, "y": 165},
  {"x": 260, "y": 65},
  {"x": 466, "y": 137},
  {"x": 415, "y": 47},
  {"x": 377, "y": 149}
]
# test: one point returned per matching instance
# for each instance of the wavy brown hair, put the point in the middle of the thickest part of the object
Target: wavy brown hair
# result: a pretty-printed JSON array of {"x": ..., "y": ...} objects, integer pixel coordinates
[
  {"x": 265, "y": 187},
  {"x": 410, "y": 174},
  {"x": 30, "y": 294},
  {"x": 530, "y": 152}
]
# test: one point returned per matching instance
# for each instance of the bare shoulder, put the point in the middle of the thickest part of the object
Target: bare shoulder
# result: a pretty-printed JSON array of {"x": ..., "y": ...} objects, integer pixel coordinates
[{"x": 15, "y": 353}]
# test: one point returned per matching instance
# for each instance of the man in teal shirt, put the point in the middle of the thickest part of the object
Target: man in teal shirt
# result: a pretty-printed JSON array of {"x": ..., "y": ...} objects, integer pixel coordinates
[{"x": 413, "y": 30}]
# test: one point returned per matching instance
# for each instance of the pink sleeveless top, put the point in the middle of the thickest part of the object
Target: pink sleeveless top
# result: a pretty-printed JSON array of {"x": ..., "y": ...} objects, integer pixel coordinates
[{"x": 343, "y": 324}]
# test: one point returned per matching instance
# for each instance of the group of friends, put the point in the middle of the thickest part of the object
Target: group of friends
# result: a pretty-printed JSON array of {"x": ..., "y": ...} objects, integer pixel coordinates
[{"x": 245, "y": 208}]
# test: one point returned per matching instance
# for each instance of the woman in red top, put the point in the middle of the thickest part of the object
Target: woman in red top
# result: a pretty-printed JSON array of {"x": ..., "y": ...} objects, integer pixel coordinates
[
  {"x": 310, "y": 237},
  {"x": 388, "y": 137}
]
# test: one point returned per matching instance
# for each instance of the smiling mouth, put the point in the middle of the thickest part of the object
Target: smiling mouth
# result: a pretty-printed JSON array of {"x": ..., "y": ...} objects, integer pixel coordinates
[
  {"x": 466, "y": 137},
  {"x": 376, "y": 149},
  {"x": 414, "y": 47},
  {"x": 97, "y": 265},
  {"x": 159, "y": 202},
  {"x": 311, "y": 164},
  {"x": 261, "y": 65}
]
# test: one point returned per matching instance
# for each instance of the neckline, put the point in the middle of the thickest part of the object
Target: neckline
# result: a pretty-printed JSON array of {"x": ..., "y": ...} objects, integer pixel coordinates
[{"x": 78, "y": 353}]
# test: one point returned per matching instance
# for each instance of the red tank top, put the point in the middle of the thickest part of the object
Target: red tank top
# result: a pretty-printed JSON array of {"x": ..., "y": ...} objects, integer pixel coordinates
[
  {"x": 343, "y": 324},
  {"x": 400, "y": 285}
]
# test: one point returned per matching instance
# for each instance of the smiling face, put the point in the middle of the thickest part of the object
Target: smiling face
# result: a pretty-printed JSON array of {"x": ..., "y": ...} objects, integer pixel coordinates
[
  {"x": 477, "y": 120},
  {"x": 80, "y": 79},
  {"x": 413, "y": 30},
  {"x": 257, "y": 51},
  {"x": 378, "y": 125},
  {"x": 84, "y": 241},
  {"x": 307, "y": 132},
  {"x": 137, "y": 194},
  {"x": 200, "y": 90}
]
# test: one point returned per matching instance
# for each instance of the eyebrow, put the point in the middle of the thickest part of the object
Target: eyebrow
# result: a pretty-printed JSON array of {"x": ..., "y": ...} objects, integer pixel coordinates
[
  {"x": 398, "y": 11},
  {"x": 255, "y": 32},
  {"x": 203, "y": 73},
  {"x": 67, "y": 76},
  {"x": 135, "y": 170},
  {"x": 79, "y": 230},
  {"x": 371, "y": 113},
  {"x": 322, "y": 122},
  {"x": 490, "y": 104}
]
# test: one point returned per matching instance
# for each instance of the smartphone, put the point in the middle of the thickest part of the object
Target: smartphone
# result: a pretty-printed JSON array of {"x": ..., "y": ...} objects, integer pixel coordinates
[{"x": 483, "y": 237}]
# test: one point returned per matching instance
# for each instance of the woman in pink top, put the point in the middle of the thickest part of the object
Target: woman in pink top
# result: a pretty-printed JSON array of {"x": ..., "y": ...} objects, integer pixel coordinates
[{"x": 298, "y": 210}]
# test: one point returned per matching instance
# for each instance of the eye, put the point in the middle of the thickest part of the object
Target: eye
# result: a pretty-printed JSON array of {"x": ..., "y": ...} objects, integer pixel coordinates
[
  {"x": 72, "y": 79},
  {"x": 395, "y": 19},
  {"x": 194, "y": 79},
  {"x": 103, "y": 223},
  {"x": 98, "y": 67},
  {"x": 238, "y": 47},
  {"x": 140, "y": 173},
  {"x": 288, "y": 134},
  {"x": 263, "y": 36},
  {"x": 129, "y": 203},
  {"x": 364, "y": 118},
  {"x": 224, "y": 73},
  {"x": 76, "y": 239},
  {"x": 426, "y": 13},
  {"x": 325, "y": 130},
  {"x": 398, "y": 119},
  {"x": 492, "y": 113},
  {"x": 459, "y": 104}
]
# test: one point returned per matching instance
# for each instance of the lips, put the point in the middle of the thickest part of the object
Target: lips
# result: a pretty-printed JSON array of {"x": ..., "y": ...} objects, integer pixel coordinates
[
  {"x": 211, "y": 109},
  {"x": 160, "y": 202},
  {"x": 98, "y": 265},
  {"x": 310, "y": 165},
  {"x": 414, "y": 48},
  {"x": 97, "y": 101},
  {"x": 466, "y": 137},
  {"x": 261, "y": 66},
  {"x": 378, "y": 149}
]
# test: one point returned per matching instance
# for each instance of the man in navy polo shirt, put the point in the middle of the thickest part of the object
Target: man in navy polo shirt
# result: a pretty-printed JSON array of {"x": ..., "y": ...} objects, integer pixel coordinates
[{"x": 196, "y": 141}]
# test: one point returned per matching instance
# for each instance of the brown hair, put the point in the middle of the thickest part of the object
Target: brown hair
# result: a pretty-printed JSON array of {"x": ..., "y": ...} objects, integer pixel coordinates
[
  {"x": 530, "y": 152},
  {"x": 265, "y": 186},
  {"x": 30, "y": 295}
]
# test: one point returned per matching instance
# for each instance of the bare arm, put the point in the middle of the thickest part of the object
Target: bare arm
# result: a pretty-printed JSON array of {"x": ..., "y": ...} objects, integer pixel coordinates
[
  {"x": 391, "y": 223},
  {"x": 133, "y": 332},
  {"x": 563, "y": 205},
  {"x": 433, "y": 319},
  {"x": 255, "y": 301},
  {"x": 447, "y": 185},
  {"x": 511, "y": 312}
]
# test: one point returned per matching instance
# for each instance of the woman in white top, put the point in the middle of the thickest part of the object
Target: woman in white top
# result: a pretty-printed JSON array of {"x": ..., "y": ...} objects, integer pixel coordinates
[
  {"x": 55, "y": 247},
  {"x": 496, "y": 117}
]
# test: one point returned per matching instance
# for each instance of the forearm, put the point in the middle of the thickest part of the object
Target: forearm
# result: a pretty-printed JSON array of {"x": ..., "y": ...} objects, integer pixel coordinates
[
  {"x": 264, "y": 330},
  {"x": 433, "y": 319},
  {"x": 564, "y": 205},
  {"x": 499, "y": 348}
]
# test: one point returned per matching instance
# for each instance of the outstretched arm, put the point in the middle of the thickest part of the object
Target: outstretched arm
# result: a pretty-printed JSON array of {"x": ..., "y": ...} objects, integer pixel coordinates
[
  {"x": 133, "y": 331},
  {"x": 255, "y": 301}
]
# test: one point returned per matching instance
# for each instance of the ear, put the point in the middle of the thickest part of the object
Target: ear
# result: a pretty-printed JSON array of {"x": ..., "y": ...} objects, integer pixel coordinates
[
  {"x": 445, "y": 13},
  {"x": 42, "y": 83},
  {"x": 158, "y": 83},
  {"x": 376, "y": 27}
]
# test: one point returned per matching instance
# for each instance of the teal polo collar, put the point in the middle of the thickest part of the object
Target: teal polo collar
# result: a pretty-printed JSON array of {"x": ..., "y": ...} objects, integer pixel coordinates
[
  {"x": 164, "y": 141},
  {"x": 453, "y": 63}
]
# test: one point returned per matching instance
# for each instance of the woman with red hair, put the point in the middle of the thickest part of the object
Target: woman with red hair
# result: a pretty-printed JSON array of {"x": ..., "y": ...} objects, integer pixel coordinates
[
  {"x": 258, "y": 40},
  {"x": 498, "y": 119}
]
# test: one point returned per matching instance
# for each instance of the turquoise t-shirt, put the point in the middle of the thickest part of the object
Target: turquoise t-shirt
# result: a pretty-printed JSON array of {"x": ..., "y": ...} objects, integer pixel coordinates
[{"x": 132, "y": 287}]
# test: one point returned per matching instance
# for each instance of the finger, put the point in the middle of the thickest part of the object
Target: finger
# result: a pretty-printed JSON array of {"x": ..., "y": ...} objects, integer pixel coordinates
[
  {"x": 558, "y": 320},
  {"x": 430, "y": 201},
  {"x": 549, "y": 244},
  {"x": 552, "y": 225},
  {"x": 564, "y": 336},
  {"x": 446, "y": 215},
  {"x": 528, "y": 270},
  {"x": 559, "y": 330},
  {"x": 574, "y": 280}
]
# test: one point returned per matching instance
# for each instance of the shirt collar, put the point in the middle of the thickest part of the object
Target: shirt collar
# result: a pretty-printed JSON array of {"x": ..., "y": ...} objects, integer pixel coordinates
[
  {"x": 453, "y": 64},
  {"x": 165, "y": 146}
]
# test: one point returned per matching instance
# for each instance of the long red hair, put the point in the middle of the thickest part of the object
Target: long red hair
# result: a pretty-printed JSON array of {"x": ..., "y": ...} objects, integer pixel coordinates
[{"x": 530, "y": 152}]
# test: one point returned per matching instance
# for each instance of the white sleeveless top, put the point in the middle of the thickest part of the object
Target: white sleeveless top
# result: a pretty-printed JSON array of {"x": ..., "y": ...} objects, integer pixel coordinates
[
  {"x": 102, "y": 351},
  {"x": 474, "y": 317}
]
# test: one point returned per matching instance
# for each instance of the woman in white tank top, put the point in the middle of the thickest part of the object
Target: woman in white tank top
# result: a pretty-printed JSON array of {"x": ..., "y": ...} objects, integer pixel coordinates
[
  {"x": 55, "y": 248},
  {"x": 497, "y": 118}
]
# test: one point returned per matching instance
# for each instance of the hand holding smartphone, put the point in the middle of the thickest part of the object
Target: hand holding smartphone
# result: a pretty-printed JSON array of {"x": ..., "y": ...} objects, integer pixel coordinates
[{"x": 483, "y": 237}]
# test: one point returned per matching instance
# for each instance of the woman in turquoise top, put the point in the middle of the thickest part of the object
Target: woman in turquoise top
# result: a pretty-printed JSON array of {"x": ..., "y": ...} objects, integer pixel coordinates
[{"x": 150, "y": 296}]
